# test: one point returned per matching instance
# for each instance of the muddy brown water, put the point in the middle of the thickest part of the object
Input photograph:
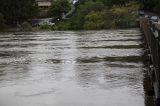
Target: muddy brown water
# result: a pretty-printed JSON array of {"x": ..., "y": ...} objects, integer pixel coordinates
[{"x": 72, "y": 68}]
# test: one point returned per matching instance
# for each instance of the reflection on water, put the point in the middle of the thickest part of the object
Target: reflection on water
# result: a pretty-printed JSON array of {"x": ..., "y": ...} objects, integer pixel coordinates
[{"x": 85, "y": 68}]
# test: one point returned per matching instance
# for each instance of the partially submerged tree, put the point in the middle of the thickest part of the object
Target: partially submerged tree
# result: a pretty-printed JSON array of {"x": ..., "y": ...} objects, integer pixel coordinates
[{"x": 1, "y": 21}]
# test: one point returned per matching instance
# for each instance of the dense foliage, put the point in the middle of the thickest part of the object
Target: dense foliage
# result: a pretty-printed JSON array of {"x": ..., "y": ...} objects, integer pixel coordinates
[
  {"x": 151, "y": 5},
  {"x": 99, "y": 14},
  {"x": 90, "y": 14},
  {"x": 14, "y": 11},
  {"x": 2, "y": 21},
  {"x": 59, "y": 7}
]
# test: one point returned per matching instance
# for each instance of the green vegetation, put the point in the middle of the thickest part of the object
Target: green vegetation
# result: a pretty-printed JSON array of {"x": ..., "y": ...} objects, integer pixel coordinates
[
  {"x": 151, "y": 5},
  {"x": 59, "y": 7},
  {"x": 102, "y": 14},
  {"x": 89, "y": 15},
  {"x": 26, "y": 26},
  {"x": 17, "y": 11}
]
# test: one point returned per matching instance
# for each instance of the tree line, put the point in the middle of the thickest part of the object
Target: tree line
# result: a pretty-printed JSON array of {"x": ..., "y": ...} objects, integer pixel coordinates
[
  {"x": 102, "y": 14},
  {"x": 107, "y": 14},
  {"x": 17, "y": 11},
  {"x": 151, "y": 5},
  {"x": 14, "y": 11}
]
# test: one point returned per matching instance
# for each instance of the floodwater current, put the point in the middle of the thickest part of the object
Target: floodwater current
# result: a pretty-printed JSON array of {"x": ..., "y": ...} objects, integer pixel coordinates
[{"x": 72, "y": 68}]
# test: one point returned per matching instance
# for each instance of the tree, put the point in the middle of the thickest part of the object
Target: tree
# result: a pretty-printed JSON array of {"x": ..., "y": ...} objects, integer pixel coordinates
[
  {"x": 95, "y": 20},
  {"x": 98, "y": 14},
  {"x": 18, "y": 10},
  {"x": 1, "y": 21},
  {"x": 151, "y": 5},
  {"x": 59, "y": 7},
  {"x": 1, "y": 18}
]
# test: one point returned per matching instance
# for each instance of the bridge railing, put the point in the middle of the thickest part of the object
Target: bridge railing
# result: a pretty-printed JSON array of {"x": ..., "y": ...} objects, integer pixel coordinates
[{"x": 151, "y": 35}]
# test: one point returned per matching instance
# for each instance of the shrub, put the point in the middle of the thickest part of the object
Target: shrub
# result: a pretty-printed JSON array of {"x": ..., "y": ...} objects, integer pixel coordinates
[
  {"x": 45, "y": 27},
  {"x": 26, "y": 26}
]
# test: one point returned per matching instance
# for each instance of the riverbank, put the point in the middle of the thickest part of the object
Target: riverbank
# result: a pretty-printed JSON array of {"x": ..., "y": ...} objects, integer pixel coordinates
[{"x": 92, "y": 15}]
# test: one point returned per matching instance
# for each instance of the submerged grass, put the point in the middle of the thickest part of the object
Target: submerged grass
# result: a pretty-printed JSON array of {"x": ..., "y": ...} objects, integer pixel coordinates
[
  {"x": 115, "y": 47},
  {"x": 133, "y": 59}
]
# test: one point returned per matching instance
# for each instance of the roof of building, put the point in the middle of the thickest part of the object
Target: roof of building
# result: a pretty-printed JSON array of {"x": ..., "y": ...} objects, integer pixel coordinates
[{"x": 44, "y": 3}]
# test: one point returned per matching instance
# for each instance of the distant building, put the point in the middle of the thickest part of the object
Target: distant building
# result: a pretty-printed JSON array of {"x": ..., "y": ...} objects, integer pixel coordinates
[{"x": 44, "y": 4}]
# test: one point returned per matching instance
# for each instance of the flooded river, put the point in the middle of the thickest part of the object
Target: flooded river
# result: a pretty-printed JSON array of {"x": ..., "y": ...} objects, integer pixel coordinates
[{"x": 81, "y": 68}]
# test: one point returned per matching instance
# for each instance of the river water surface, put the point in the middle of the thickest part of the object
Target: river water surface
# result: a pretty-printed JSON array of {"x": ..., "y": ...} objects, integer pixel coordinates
[{"x": 85, "y": 68}]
